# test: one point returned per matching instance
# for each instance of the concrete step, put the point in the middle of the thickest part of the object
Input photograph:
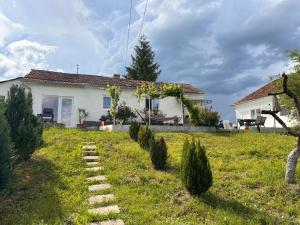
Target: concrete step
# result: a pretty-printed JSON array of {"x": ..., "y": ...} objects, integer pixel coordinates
[
  {"x": 91, "y": 158},
  {"x": 99, "y": 187},
  {"x": 89, "y": 147},
  {"x": 109, "y": 222},
  {"x": 92, "y": 163},
  {"x": 100, "y": 198},
  {"x": 90, "y": 153},
  {"x": 97, "y": 178},
  {"x": 97, "y": 168},
  {"x": 105, "y": 210}
]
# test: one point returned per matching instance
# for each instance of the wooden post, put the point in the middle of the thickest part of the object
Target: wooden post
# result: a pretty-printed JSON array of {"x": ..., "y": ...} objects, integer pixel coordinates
[
  {"x": 149, "y": 111},
  {"x": 182, "y": 108}
]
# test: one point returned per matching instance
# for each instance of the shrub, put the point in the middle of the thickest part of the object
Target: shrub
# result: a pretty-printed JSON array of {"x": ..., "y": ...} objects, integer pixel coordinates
[
  {"x": 134, "y": 130},
  {"x": 124, "y": 113},
  {"x": 145, "y": 137},
  {"x": 158, "y": 153},
  {"x": 196, "y": 174},
  {"x": 6, "y": 151},
  {"x": 204, "y": 117},
  {"x": 26, "y": 131}
]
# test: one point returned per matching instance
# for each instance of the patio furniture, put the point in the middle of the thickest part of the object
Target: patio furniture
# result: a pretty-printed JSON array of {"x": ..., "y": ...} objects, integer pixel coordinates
[
  {"x": 91, "y": 125},
  {"x": 47, "y": 115}
]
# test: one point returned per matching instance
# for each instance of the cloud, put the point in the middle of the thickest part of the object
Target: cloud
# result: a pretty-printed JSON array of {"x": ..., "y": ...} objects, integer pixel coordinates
[
  {"x": 8, "y": 28},
  {"x": 21, "y": 56}
]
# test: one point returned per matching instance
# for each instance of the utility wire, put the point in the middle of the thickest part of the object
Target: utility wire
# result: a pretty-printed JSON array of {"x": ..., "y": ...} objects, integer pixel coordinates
[
  {"x": 128, "y": 35},
  {"x": 143, "y": 18}
]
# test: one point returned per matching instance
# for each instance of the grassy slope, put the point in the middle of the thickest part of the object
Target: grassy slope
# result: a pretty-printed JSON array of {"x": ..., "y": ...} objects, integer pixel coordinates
[{"x": 248, "y": 182}]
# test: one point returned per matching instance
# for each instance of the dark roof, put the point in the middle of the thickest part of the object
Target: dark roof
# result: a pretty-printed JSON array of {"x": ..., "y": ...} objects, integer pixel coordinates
[
  {"x": 259, "y": 93},
  {"x": 17, "y": 78},
  {"x": 93, "y": 80}
]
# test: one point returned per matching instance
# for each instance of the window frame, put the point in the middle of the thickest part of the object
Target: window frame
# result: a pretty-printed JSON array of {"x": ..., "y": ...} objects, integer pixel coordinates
[{"x": 103, "y": 102}]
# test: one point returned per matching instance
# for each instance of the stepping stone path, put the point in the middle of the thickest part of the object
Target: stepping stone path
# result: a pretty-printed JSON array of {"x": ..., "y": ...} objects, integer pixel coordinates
[{"x": 91, "y": 156}]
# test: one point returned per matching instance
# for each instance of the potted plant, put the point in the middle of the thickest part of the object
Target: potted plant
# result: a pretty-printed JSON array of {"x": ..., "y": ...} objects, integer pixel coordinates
[
  {"x": 102, "y": 120},
  {"x": 82, "y": 116}
]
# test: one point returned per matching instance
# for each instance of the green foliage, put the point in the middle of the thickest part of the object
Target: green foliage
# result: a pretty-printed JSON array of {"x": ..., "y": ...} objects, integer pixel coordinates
[
  {"x": 147, "y": 90},
  {"x": 134, "y": 130},
  {"x": 174, "y": 90},
  {"x": 26, "y": 131},
  {"x": 145, "y": 137},
  {"x": 196, "y": 174},
  {"x": 158, "y": 153},
  {"x": 114, "y": 92},
  {"x": 6, "y": 150},
  {"x": 143, "y": 66},
  {"x": 124, "y": 113}
]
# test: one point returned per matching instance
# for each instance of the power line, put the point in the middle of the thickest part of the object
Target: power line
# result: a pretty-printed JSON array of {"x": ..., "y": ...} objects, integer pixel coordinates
[
  {"x": 128, "y": 34},
  {"x": 143, "y": 18}
]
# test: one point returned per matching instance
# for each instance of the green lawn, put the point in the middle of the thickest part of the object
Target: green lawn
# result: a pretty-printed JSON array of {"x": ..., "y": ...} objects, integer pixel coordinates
[{"x": 248, "y": 188}]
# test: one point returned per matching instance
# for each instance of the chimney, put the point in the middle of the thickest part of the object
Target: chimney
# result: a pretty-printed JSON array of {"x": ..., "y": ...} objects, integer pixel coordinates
[{"x": 117, "y": 76}]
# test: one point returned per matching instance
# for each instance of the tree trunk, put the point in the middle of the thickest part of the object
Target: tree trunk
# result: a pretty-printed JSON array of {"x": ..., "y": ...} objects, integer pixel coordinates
[{"x": 291, "y": 163}]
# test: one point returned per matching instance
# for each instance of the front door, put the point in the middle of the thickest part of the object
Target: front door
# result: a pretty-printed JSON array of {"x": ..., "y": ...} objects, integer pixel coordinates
[{"x": 66, "y": 111}]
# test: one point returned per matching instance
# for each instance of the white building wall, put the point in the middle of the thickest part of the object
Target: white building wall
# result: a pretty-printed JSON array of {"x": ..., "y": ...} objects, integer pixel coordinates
[
  {"x": 243, "y": 111},
  {"x": 91, "y": 99},
  {"x": 5, "y": 86}
]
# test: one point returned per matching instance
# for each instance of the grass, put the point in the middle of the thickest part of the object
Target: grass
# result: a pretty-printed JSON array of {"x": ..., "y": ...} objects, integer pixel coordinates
[{"x": 248, "y": 188}]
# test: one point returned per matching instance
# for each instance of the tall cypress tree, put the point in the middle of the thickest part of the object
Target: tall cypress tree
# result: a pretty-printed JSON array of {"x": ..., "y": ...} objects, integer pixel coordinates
[{"x": 143, "y": 66}]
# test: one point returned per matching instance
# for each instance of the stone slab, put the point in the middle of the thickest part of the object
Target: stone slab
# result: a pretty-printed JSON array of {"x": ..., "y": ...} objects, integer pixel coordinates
[
  {"x": 97, "y": 168},
  {"x": 105, "y": 210},
  {"x": 97, "y": 178},
  {"x": 109, "y": 222},
  {"x": 89, "y": 147},
  {"x": 90, "y": 153},
  {"x": 92, "y": 163},
  {"x": 99, "y": 187},
  {"x": 100, "y": 198},
  {"x": 91, "y": 158}
]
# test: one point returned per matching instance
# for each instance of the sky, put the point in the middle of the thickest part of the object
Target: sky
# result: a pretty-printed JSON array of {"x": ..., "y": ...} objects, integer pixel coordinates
[{"x": 227, "y": 48}]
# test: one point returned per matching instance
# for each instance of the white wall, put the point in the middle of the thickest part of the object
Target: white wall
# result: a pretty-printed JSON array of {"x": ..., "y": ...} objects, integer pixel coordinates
[
  {"x": 5, "y": 86},
  {"x": 243, "y": 111},
  {"x": 91, "y": 99}
]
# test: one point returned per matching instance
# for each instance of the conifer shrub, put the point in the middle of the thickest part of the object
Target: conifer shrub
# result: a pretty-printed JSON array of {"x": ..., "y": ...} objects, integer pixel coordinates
[
  {"x": 134, "y": 130},
  {"x": 145, "y": 137},
  {"x": 158, "y": 153},
  {"x": 6, "y": 150},
  {"x": 196, "y": 173},
  {"x": 26, "y": 131}
]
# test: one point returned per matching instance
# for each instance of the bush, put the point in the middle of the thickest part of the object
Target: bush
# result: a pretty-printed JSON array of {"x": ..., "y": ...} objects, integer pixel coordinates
[
  {"x": 6, "y": 150},
  {"x": 204, "y": 117},
  {"x": 124, "y": 113},
  {"x": 196, "y": 174},
  {"x": 158, "y": 153},
  {"x": 26, "y": 131},
  {"x": 134, "y": 130},
  {"x": 145, "y": 137}
]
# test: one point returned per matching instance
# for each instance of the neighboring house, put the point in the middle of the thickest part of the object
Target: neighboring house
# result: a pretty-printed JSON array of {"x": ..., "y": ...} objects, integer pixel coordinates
[
  {"x": 250, "y": 107},
  {"x": 65, "y": 93}
]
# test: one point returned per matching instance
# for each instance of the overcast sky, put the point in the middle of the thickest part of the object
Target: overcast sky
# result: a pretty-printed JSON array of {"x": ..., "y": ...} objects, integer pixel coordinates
[{"x": 226, "y": 48}]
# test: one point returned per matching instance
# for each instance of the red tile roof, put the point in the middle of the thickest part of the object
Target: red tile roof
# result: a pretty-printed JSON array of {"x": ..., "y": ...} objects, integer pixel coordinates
[
  {"x": 93, "y": 80},
  {"x": 259, "y": 93}
]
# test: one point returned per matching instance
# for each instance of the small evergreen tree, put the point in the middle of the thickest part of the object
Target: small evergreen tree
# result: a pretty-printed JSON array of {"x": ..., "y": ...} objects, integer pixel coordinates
[
  {"x": 145, "y": 137},
  {"x": 26, "y": 131},
  {"x": 196, "y": 174},
  {"x": 143, "y": 66},
  {"x": 6, "y": 150},
  {"x": 134, "y": 130},
  {"x": 159, "y": 153}
]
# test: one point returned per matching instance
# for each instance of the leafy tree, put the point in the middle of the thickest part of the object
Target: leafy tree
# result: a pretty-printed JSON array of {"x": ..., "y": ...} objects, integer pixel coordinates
[
  {"x": 124, "y": 113},
  {"x": 196, "y": 174},
  {"x": 114, "y": 92},
  {"x": 143, "y": 66},
  {"x": 26, "y": 131},
  {"x": 6, "y": 150},
  {"x": 159, "y": 153}
]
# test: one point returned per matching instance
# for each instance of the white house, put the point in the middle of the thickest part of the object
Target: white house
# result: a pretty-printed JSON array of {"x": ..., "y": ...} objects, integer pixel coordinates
[
  {"x": 250, "y": 107},
  {"x": 65, "y": 93}
]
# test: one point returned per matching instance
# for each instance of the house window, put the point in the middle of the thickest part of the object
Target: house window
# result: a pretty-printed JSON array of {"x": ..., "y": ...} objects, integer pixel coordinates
[
  {"x": 50, "y": 103},
  {"x": 154, "y": 103},
  {"x": 2, "y": 98},
  {"x": 255, "y": 113},
  {"x": 106, "y": 102},
  {"x": 285, "y": 112}
]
